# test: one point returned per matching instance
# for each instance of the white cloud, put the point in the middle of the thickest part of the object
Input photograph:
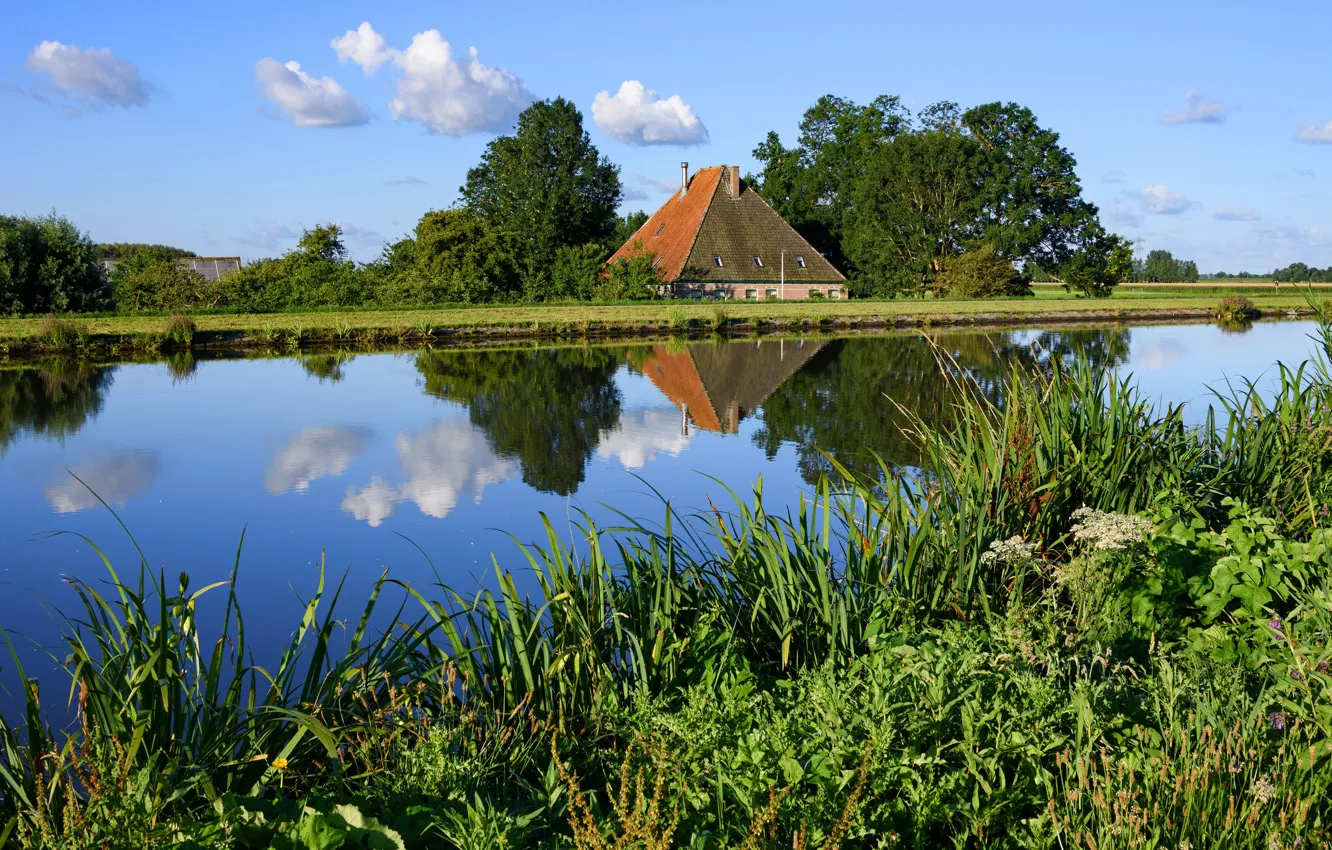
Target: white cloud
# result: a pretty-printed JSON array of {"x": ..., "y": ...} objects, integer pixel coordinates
[
  {"x": 1312, "y": 134},
  {"x": 1124, "y": 214},
  {"x": 308, "y": 101},
  {"x": 643, "y": 434},
  {"x": 1155, "y": 356},
  {"x": 363, "y": 46},
  {"x": 1200, "y": 110},
  {"x": 373, "y": 504},
  {"x": 314, "y": 454},
  {"x": 95, "y": 76},
  {"x": 633, "y": 194},
  {"x": 1236, "y": 214},
  {"x": 454, "y": 97},
  {"x": 116, "y": 479},
  {"x": 1159, "y": 199},
  {"x": 637, "y": 116},
  {"x": 442, "y": 464}
]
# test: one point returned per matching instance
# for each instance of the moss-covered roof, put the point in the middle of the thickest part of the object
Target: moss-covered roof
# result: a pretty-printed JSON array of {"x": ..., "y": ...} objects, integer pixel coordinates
[{"x": 689, "y": 232}]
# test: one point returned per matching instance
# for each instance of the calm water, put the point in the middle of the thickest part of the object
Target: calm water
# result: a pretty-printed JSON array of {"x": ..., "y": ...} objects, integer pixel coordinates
[{"x": 450, "y": 449}]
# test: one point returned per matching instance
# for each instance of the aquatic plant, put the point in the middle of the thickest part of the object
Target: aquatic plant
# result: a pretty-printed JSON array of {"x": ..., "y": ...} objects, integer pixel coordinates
[{"x": 1079, "y": 621}]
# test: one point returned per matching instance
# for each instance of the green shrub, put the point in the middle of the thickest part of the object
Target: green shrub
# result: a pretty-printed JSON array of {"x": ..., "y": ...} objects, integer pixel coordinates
[
  {"x": 980, "y": 273},
  {"x": 180, "y": 330},
  {"x": 720, "y": 318},
  {"x": 631, "y": 278},
  {"x": 152, "y": 279},
  {"x": 1236, "y": 308},
  {"x": 55, "y": 332},
  {"x": 677, "y": 319}
]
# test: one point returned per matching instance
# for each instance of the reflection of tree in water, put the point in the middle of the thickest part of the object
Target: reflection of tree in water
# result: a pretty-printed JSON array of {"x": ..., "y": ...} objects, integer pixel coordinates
[
  {"x": 52, "y": 399},
  {"x": 326, "y": 367},
  {"x": 544, "y": 407},
  {"x": 845, "y": 400}
]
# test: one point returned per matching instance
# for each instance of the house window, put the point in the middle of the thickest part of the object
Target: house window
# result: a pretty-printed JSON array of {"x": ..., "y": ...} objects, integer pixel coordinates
[
  {"x": 659, "y": 229},
  {"x": 771, "y": 293},
  {"x": 657, "y": 261},
  {"x": 716, "y": 260},
  {"x": 758, "y": 263},
  {"x": 815, "y": 293},
  {"x": 751, "y": 294},
  {"x": 800, "y": 261},
  {"x": 834, "y": 293},
  {"x": 696, "y": 293}
]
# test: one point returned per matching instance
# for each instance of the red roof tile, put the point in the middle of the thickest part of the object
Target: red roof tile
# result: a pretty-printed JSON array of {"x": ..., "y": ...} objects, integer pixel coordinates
[{"x": 678, "y": 220}]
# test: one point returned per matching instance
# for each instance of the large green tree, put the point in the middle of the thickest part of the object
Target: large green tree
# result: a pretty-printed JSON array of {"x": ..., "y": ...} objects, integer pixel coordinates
[
  {"x": 809, "y": 185},
  {"x": 48, "y": 265},
  {"x": 890, "y": 198},
  {"x": 548, "y": 187}
]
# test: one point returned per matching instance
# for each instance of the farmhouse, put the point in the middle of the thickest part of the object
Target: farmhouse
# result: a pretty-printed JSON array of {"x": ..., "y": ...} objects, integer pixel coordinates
[{"x": 717, "y": 238}]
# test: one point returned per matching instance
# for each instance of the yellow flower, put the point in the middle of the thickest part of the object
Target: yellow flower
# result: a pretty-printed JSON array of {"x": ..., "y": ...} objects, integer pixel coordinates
[{"x": 280, "y": 763}]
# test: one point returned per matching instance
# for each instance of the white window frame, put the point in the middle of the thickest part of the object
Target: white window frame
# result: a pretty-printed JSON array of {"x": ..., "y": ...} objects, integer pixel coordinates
[
  {"x": 717, "y": 260},
  {"x": 800, "y": 260},
  {"x": 758, "y": 261}
]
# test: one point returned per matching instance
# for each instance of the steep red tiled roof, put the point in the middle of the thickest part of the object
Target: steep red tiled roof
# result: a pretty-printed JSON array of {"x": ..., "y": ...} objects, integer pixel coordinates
[
  {"x": 709, "y": 222},
  {"x": 681, "y": 218}
]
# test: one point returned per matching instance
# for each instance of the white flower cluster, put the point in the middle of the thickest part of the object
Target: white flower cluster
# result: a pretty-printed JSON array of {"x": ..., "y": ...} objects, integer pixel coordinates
[
  {"x": 1014, "y": 550},
  {"x": 1106, "y": 531}
]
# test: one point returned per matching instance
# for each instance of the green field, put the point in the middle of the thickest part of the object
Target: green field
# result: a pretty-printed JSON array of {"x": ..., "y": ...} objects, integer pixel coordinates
[{"x": 1051, "y": 304}]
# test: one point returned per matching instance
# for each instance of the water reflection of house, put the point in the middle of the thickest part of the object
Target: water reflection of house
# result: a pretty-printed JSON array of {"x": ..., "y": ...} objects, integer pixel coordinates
[{"x": 716, "y": 386}]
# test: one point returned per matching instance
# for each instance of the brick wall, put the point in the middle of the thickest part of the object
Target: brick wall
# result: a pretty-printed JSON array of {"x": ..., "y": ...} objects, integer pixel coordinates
[{"x": 759, "y": 291}]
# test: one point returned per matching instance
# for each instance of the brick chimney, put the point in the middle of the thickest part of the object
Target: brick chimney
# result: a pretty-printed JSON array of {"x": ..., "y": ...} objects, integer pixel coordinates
[
  {"x": 684, "y": 179},
  {"x": 735, "y": 181}
]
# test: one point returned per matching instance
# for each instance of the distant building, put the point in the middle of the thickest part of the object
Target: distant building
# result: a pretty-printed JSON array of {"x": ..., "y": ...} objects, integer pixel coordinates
[
  {"x": 209, "y": 268},
  {"x": 717, "y": 238}
]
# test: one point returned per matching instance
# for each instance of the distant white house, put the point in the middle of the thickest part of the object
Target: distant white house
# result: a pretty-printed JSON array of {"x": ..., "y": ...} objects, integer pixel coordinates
[{"x": 209, "y": 268}]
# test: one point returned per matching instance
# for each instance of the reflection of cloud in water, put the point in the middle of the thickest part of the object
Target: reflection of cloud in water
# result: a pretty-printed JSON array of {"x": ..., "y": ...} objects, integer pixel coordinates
[
  {"x": 1155, "y": 356},
  {"x": 315, "y": 453},
  {"x": 115, "y": 479},
  {"x": 442, "y": 463},
  {"x": 643, "y": 434}
]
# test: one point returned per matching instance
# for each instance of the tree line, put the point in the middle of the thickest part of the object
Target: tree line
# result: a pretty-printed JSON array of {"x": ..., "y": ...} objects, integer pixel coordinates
[
  {"x": 1293, "y": 273},
  {"x": 950, "y": 202},
  {"x": 898, "y": 201}
]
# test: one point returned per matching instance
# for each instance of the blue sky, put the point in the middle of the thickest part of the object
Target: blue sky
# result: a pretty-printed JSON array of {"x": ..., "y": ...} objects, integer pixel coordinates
[{"x": 1205, "y": 129}]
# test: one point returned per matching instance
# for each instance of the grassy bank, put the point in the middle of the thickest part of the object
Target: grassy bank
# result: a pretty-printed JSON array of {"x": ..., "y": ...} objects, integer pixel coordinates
[
  {"x": 1083, "y": 625},
  {"x": 584, "y": 320}
]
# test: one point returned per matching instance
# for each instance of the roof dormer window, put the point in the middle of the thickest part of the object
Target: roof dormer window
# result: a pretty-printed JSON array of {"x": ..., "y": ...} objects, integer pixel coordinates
[
  {"x": 660, "y": 229},
  {"x": 657, "y": 261},
  {"x": 800, "y": 261},
  {"x": 716, "y": 260},
  {"x": 758, "y": 262}
]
